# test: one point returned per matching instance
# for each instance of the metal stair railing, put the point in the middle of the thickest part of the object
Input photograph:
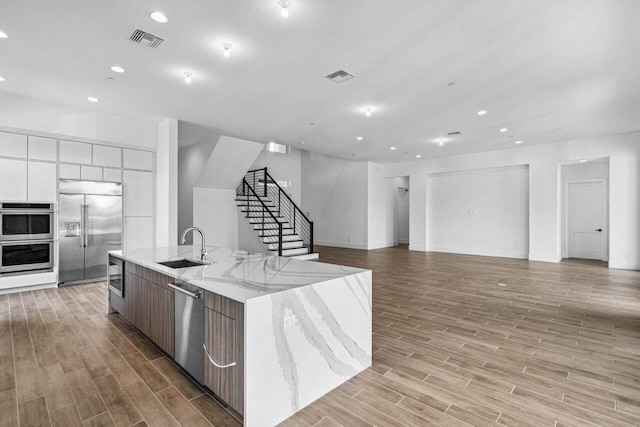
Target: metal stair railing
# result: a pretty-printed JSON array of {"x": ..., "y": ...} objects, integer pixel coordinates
[
  {"x": 244, "y": 190},
  {"x": 265, "y": 185}
]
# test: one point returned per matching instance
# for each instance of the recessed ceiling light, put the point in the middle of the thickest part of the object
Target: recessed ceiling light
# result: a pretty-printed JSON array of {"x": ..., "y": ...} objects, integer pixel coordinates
[
  {"x": 2, "y": 79},
  {"x": 518, "y": 142},
  {"x": 187, "y": 77},
  {"x": 93, "y": 99},
  {"x": 481, "y": 112},
  {"x": 368, "y": 111},
  {"x": 418, "y": 155},
  {"x": 159, "y": 17},
  {"x": 302, "y": 142},
  {"x": 504, "y": 130},
  {"x": 392, "y": 148},
  {"x": 117, "y": 69},
  {"x": 226, "y": 49},
  {"x": 3, "y": 35},
  {"x": 441, "y": 143},
  {"x": 582, "y": 160},
  {"x": 359, "y": 138},
  {"x": 285, "y": 5}
]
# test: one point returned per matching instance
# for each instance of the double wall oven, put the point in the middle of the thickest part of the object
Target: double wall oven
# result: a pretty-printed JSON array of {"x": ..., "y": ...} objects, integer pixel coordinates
[{"x": 26, "y": 237}]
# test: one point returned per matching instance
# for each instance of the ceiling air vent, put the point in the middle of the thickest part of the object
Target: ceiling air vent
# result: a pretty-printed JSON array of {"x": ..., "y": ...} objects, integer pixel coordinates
[
  {"x": 147, "y": 39},
  {"x": 454, "y": 133},
  {"x": 340, "y": 76}
]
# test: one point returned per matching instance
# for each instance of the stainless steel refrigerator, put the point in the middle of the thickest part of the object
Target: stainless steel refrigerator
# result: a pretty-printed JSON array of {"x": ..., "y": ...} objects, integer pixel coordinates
[{"x": 90, "y": 224}]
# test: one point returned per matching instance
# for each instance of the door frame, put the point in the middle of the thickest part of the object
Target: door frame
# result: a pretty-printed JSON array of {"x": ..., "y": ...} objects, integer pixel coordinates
[{"x": 566, "y": 234}]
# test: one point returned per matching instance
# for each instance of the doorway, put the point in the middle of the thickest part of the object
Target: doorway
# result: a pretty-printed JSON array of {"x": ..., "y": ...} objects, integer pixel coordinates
[{"x": 587, "y": 219}]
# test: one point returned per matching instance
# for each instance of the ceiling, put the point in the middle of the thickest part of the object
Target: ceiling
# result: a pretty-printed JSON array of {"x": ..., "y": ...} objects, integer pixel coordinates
[{"x": 548, "y": 71}]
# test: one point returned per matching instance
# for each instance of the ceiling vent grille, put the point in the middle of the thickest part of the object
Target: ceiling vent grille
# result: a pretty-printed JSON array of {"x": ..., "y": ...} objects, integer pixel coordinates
[
  {"x": 147, "y": 39},
  {"x": 340, "y": 76},
  {"x": 454, "y": 133}
]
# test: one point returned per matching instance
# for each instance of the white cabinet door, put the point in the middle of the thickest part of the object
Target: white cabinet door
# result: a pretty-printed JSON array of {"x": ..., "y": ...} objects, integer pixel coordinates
[
  {"x": 42, "y": 182},
  {"x": 13, "y": 179},
  {"x": 69, "y": 171},
  {"x": 138, "y": 193},
  {"x": 42, "y": 148},
  {"x": 91, "y": 173},
  {"x": 107, "y": 156},
  {"x": 136, "y": 159},
  {"x": 75, "y": 152},
  {"x": 112, "y": 175},
  {"x": 138, "y": 233},
  {"x": 13, "y": 145}
]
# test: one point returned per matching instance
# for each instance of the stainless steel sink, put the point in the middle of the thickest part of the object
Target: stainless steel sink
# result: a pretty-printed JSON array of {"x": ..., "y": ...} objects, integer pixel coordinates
[{"x": 182, "y": 263}]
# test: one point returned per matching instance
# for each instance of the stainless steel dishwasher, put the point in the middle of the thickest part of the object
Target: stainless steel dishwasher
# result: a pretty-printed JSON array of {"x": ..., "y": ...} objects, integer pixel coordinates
[{"x": 189, "y": 328}]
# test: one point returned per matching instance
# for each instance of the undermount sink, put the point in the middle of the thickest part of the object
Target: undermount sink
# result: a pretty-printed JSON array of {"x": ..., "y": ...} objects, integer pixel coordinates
[{"x": 182, "y": 263}]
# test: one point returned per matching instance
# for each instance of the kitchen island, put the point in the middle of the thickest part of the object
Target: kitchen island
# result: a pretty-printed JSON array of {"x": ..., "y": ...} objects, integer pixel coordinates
[{"x": 283, "y": 331}]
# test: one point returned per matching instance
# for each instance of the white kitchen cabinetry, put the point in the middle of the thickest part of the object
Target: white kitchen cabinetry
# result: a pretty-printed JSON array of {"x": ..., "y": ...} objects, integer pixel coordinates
[
  {"x": 69, "y": 171},
  {"x": 107, "y": 156},
  {"x": 138, "y": 193},
  {"x": 13, "y": 145},
  {"x": 90, "y": 173},
  {"x": 13, "y": 179},
  {"x": 42, "y": 182},
  {"x": 75, "y": 152},
  {"x": 138, "y": 233},
  {"x": 112, "y": 175},
  {"x": 136, "y": 159},
  {"x": 42, "y": 148}
]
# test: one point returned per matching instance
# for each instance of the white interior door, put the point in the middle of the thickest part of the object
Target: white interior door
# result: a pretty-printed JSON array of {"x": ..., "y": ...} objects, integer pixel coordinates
[{"x": 587, "y": 220}]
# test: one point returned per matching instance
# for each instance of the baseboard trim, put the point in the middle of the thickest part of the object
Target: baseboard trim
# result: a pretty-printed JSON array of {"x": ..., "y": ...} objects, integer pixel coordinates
[
  {"x": 27, "y": 288},
  {"x": 624, "y": 265},
  {"x": 341, "y": 245},
  {"x": 491, "y": 253},
  {"x": 417, "y": 248},
  {"x": 545, "y": 258}
]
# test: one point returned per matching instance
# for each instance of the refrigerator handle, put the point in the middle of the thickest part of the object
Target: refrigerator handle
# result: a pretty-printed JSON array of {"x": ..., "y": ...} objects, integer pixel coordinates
[
  {"x": 83, "y": 226},
  {"x": 86, "y": 225}
]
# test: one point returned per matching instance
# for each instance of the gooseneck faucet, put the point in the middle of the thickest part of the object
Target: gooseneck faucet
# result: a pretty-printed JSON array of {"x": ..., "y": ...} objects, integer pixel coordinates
[{"x": 203, "y": 251}]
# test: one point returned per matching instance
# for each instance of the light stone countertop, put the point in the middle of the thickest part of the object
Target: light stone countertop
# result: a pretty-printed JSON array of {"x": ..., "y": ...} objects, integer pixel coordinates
[{"x": 236, "y": 274}]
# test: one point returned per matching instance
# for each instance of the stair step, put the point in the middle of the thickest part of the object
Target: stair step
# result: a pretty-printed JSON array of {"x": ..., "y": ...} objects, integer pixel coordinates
[
  {"x": 286, "y": 238},
  {"x": 286, "y": 245},
  {"x": 267, "y": 220},
  {"x": 270, "y": 226}
]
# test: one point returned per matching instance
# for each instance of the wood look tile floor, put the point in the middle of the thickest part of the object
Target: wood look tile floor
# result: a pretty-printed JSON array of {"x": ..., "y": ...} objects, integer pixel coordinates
[{"x": 458, "y": 340}]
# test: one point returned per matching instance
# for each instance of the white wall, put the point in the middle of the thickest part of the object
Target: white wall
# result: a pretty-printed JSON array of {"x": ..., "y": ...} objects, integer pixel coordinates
[
  {"x": 167, "y": 184},
  {"x": 18, "y": 112},
  {"x": 479, "y": 212},
  {"x": 191, "y": 161},
  {"x": 334, "y": 191},
  {"x": 381, "y": 219},
  {"x": 215, "y": 212},
  {"x": 283, "y": 167},
  {"x": 544, "y": 191}
]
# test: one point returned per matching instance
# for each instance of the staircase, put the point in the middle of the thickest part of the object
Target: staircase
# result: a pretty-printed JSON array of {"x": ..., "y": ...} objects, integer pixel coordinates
[{"x": 276, "y": 219}]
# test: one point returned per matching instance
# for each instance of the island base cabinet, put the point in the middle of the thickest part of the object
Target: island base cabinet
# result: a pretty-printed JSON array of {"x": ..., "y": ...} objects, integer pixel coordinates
[
  {"x": 224, "y": 341},
  {"x": 149, "y": 306}
]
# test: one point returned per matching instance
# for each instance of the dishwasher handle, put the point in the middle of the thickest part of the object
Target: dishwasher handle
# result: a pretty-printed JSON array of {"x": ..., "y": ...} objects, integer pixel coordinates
[{"x": 194, "y": 295}]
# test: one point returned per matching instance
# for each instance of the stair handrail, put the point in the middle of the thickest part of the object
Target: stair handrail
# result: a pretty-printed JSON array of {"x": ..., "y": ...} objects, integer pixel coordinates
[
  {"x": 244, "y": 184},
  {"x": 269, "y": 179}
]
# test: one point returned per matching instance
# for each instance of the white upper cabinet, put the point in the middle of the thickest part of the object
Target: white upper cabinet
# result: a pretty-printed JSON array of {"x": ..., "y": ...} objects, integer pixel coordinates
[
  {"x": 75, "y": 152},
  {"x": 91, "y": 173},
  {"x": 112, "y": 175},
  {"x": 107, "y": 156},
  {"x": 137, "y": 159},
  {"x": 13, "y": 145},
  {"x": 42, "y": 148},
  {"x": 138, "y": 193},
  {"x": 42, "y": 182},
  {"x": 13, "y": 179}
]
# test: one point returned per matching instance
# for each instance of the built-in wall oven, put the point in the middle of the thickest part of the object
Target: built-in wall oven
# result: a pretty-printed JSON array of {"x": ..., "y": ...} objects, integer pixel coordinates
[
  {"x": 26, "y": 221},
  {"x": 26, "y": 237},
  {"x": 26, "y": 256}
]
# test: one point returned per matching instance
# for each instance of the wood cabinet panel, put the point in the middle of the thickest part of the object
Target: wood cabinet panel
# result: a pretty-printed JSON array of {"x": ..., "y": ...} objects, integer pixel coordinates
[
  {"x": 222, "y": 305},
  {"x": 162, "y": 318},
  {"x": 224, "y": 338}
]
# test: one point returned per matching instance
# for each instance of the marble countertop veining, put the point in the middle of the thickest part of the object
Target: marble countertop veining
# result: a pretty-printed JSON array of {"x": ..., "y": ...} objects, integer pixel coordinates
[{"x": 236, "y": 274}]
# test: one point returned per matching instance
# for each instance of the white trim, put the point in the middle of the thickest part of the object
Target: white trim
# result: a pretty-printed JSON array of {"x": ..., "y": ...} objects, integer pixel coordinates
[
  {"x": 419, "y": 248},
  {"x": 341, "y": 245},
  {"x": 481, "y": 252}
]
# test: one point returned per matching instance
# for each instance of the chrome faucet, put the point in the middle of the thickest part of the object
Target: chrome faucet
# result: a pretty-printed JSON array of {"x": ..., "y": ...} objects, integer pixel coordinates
[{"x": 203, "y": 251}]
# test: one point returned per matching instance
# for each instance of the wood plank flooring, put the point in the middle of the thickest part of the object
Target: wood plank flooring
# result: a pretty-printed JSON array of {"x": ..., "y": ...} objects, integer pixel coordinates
[{"x": 458, "y": 340}]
